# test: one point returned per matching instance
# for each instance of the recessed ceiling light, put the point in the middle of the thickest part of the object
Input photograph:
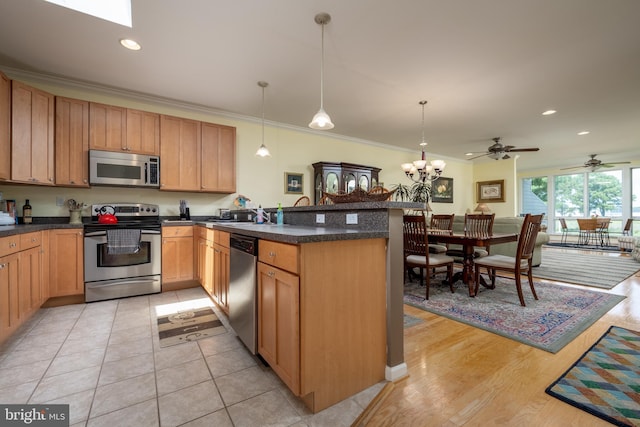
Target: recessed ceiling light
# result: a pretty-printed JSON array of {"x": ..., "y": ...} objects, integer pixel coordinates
[
  {"x": 584, "y": 132},
  {"x": 548, "y": 112},
  {"x": 130, "y": 44}
]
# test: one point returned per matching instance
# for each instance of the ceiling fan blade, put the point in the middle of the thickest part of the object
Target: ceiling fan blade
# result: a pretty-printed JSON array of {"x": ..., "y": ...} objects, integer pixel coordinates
[
  {"x": 615, "y": 163},
  {"x": 573, "y": 167},
  {"x": 477, "y": 157},
  {"x": 523, "y": 149}
]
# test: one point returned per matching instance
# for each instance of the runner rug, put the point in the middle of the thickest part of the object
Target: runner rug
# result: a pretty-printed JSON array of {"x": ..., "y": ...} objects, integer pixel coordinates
[
  {"x": 550, "y": 323},
  {"x": 598, "y": 271},
  {"x": 188, "y": 324},
  {"x": 605, "y": 381}
]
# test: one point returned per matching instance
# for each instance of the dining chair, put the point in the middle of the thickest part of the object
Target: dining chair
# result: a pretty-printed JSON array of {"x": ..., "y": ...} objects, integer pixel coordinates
[
  {"x": 588, "y": 231},
  {"x": 416, "y": 251},
  {"x": 519, "y": 265},
  {"x": 626, "y": 231},
  {"x": 303, "y": 201},
  {"x": 477, "y": 225},
  {"x": 602, "y": 228},
  {"x": 564, "y": 229},
  {"x": 440, "y": 223}
]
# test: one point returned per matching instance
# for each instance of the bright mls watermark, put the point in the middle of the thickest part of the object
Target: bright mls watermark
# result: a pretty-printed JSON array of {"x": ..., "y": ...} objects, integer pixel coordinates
[{"x": 34, "y": 415}]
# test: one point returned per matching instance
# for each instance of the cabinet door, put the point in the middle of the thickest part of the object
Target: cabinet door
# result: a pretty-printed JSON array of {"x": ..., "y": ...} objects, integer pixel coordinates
[
  {"x": 177, "y": 254},
  {"x": 32, "y": 153},
  {"x": 29, "y": 293},
  {"x": 107, "y": 127},
  {"x": 9, "y": 303},
  {"x": 143, "y": 132},
  {"x": 179, "y": 153},
  {"x": 221, "y": 276},
  {"x": 5, "y": 128},
  {"x": 279, "y": 323},
  {"x": 219, "y": 158},
  {"x": 66, "y": 267},
  {"x": 72, "y": 142}
]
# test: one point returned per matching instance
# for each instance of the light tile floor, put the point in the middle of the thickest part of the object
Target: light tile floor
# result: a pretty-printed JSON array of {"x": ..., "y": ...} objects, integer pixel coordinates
[{"x": 104, "y": 360}]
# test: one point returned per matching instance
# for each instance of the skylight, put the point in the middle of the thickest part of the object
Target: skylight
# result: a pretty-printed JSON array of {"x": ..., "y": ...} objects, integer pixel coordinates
[{"x": 118, "y": 11}]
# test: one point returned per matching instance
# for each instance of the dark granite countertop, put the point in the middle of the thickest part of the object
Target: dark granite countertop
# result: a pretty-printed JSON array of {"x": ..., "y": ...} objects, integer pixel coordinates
[
  {"x": 12, "y": 230},
  {"x": 294, "y": 233}
]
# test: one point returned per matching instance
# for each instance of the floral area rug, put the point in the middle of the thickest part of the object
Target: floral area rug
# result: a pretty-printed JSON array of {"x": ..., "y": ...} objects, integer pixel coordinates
[
  {"x": 605, "y": 381},
  {"x": 558, "y": 317}
]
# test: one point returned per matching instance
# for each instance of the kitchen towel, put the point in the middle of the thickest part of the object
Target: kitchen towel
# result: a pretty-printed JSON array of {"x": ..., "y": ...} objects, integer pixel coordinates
[{"x": 122, "y": 241}]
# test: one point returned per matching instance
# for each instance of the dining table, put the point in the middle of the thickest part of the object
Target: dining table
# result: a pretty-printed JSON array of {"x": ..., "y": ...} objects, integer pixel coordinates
[{"x": 469, "y": 241}]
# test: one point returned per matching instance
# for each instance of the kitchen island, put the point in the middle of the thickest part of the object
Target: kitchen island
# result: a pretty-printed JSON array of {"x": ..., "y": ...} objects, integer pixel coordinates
[{"x": 331, "y": 321}]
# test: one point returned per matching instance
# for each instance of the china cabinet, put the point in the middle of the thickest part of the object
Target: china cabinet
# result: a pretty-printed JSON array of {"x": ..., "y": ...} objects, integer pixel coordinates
[{"x": 332, "y": 178}]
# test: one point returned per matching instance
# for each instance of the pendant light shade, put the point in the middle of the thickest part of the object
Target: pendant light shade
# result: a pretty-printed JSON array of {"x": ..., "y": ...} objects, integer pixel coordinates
[
  {"x": 263, "y": 151},
  {"x": 321, "y": 120}
]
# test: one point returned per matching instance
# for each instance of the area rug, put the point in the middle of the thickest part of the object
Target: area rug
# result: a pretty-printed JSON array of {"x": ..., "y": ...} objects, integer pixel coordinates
[
  {"x": 560, "y": 314},
  {"x": 599, "y": 271},
  {"x": 188, "y": 324},
  {"x": 605, "y": 381},
  {"x": 606, "y": 248}
]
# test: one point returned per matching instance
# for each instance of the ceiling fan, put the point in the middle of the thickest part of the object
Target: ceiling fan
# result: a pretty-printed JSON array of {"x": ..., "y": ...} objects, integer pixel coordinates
[
  {"x": 499, "y": 151},
  {"x": 592, "y": 164}
]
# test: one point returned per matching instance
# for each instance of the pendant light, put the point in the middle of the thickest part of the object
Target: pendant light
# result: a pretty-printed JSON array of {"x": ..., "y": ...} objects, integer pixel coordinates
[
  {"x": 321, "y": 120},
  {"x": 263, "y": 151}
]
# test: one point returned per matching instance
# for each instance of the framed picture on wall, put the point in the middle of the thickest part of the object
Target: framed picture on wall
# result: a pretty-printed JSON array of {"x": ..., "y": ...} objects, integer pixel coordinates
[
  {"x": 442, "y": 190},
  {"x": 490, "y": 191},
  {"x": 293, "y": 183}
]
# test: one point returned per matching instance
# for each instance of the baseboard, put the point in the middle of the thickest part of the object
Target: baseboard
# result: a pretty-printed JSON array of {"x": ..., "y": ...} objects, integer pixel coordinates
[{"x": 394, "y": 373}]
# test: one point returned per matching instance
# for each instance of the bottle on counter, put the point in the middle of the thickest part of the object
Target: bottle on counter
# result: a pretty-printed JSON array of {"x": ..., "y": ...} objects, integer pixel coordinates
[
  {"x": 26, "y": 213},
  {"x": 260, "y": 215},
  {"x": 279, "y": 215}
]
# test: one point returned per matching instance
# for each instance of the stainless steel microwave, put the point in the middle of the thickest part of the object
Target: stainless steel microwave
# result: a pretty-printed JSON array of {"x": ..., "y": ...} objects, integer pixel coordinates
[{"x": 124, "y": 169}]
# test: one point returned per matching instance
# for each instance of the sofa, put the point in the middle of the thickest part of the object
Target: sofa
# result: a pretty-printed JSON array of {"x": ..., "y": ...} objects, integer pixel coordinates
[{"x": 506, "y": 225}]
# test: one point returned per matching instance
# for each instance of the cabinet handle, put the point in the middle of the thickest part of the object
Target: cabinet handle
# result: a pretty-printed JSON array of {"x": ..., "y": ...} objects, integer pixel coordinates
[
  {"x": 72, "y": 182},
  {"x": 2, "y": 266},
  {"x": 84, "y": 181},
  {"x": 271, "y": 273},
  {"x": 272, "y": 254},
  {"x": 12, "y": 245},
  {"x": 33, "y": 239}
]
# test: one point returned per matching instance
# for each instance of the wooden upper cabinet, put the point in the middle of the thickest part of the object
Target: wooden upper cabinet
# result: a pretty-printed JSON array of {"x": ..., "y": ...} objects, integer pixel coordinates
[
  {"x": 143, "y": 132},
  {"x": 32, "y": 139},
  {"x": 218, "y": 158},
  {"x": 107, "y": 127},
  {"x": 5, "y": 128},
  {"x": 180, "y": 141},
  {"x": 72, "y": 142}
]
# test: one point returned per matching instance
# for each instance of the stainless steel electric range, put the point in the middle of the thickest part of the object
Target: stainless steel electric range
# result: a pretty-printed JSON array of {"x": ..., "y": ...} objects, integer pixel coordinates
[{"x": 122, "y": 259}]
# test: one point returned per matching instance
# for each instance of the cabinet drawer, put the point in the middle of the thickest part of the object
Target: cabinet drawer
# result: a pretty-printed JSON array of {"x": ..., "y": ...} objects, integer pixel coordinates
[
  {"x": 9, "y": 245},
  {"x": 221, "y": 238},
  {"x": 30, "y": 240},
  {"x": 182, "y": 231},
  {"x": 280, "y": 255}
]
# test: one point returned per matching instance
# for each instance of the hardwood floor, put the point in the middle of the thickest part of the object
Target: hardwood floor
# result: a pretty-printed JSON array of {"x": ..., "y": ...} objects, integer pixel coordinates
[{"x": 463, "y": 376}]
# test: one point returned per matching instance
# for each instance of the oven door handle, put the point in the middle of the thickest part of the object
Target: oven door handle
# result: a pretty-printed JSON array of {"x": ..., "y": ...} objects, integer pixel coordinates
[
  {"x": 120, "y": 282},
  {"x": 104, "y": 233}
]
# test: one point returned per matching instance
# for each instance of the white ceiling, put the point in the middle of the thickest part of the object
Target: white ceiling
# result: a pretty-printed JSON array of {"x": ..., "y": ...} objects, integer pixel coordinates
[{"x": 487, "y": 68}]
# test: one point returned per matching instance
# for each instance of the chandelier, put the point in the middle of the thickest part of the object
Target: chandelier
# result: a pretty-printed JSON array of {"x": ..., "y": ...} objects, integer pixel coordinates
[{"x": 424, "y": 171}]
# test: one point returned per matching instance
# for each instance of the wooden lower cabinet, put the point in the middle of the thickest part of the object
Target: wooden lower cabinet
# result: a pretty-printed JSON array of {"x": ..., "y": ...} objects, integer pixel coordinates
[
  {"x": 322, "y": 316},
  {"x": 9, "y": 303},
  {"x": 177, "y": 254},
  {"x": 212, "y": 264},
  {"x": 66, "y": 265},
  {"x": 21, "y": 280},
  {"x": 221, "y": 275},
  {"x": 279, "y": 323}
]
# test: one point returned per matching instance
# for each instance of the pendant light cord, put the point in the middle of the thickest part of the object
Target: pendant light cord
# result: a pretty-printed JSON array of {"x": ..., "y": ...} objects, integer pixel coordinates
[{"x": 322, "y": 70}]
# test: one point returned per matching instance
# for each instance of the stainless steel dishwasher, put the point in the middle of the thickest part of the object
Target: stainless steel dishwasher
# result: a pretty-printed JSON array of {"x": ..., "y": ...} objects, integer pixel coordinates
[{"x": 243, "y": 308}]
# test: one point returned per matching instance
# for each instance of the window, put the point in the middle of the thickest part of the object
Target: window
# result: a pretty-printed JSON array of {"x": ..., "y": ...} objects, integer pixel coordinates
[{"x": 569, "y": 195}]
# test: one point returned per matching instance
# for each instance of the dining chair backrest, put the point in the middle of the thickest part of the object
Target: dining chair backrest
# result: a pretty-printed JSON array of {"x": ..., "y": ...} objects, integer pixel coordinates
[
  {"x": 303, "y": 201},
  {"x": 442, "y": 222},
  {"x": 587, "y": 224},
  {"x": 626, "y": 231},
  {"x": 479, "y": 224},
  {"x": 414, "y": 231},
  {"x": 603, "y": 223},
  {"x": 528, "y": 234},
  {"x": 563, "y": 224}
]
